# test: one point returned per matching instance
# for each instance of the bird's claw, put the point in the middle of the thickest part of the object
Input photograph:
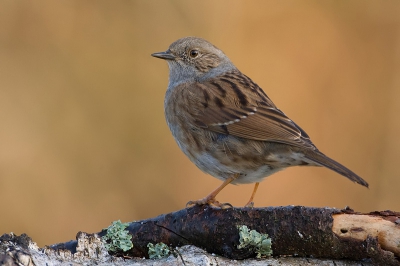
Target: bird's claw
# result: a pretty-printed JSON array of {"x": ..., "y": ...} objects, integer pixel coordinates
[
  {"x": 211, "y": 202},
  {"x": 249, "y": 205}
]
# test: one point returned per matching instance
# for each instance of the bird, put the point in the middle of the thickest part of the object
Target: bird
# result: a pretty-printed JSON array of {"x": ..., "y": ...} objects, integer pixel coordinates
[{"x": 227, "y": 125}]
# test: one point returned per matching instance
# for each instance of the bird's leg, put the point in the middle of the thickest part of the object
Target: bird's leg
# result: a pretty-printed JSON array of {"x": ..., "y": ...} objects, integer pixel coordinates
[
  {"x": 250, "y": 204},
  {"x": 210, "y": 199}
]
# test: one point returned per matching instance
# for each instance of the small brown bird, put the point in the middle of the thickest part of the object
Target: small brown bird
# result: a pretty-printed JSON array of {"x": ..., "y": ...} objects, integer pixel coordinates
[{"x": 227, "y": 125}]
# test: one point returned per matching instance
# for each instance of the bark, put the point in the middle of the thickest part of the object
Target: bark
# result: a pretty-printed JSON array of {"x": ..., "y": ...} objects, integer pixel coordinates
[
  {"x": 294, "y": 230},
  {"x": 299, "y": 236},
  {"x": 90, "y": 251}
]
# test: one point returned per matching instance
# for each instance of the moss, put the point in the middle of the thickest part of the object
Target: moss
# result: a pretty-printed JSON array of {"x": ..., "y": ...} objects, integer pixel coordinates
[
  {"x": 158, "y": 251},
  {"x": 117, "y": 238},
  {"x": 253, "y": 240}
]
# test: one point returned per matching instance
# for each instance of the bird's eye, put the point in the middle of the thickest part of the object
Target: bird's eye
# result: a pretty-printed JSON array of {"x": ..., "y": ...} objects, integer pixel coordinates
[{"x": 193, "y": 53}]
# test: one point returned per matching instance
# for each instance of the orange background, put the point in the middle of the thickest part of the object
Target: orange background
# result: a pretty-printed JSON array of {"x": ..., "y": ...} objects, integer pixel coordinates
[{"x": 83, "y": 139}]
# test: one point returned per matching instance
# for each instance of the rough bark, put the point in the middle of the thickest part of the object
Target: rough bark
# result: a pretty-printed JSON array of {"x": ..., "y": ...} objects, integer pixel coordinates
[
  {"x": 294, "y": 230},
  {"x": 90, "y": 251},
  {"x": 299, "y": 236}
]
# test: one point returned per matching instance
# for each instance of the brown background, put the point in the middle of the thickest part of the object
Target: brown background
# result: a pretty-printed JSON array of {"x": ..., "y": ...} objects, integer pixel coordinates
[{"x": 83, "y": 139}]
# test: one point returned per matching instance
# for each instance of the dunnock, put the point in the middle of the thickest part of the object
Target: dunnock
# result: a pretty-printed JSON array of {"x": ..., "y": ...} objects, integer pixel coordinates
[{"x": 227, "y": 125}]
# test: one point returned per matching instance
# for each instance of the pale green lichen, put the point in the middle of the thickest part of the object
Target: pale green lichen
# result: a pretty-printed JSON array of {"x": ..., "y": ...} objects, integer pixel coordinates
[
  {"x": 253, "y": 240},
  {"x": 158, "y": 251},
  {"x": 117, "y": 238}
]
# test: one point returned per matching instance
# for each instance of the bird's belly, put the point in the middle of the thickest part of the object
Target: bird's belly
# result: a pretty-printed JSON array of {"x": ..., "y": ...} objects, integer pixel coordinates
[
  {"x": 257, "y": 175},
  {"x": 249, "y": 171},
  {"x": 223, "y": 156}
]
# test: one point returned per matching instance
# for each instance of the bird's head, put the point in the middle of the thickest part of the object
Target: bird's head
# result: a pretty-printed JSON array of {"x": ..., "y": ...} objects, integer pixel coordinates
[{"x": 194, "y": 59}]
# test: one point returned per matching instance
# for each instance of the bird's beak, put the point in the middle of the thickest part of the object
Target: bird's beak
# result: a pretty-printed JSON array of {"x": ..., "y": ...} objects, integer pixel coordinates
[{"x": 167, "y": 55}]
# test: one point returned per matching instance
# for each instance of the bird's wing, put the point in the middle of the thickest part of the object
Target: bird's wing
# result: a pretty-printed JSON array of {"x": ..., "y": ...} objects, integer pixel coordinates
[{"x": 233, "y": 104}]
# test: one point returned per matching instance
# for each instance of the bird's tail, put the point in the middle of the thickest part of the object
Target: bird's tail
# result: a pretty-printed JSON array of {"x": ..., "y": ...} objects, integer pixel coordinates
[{"x": 324, "y": 160}]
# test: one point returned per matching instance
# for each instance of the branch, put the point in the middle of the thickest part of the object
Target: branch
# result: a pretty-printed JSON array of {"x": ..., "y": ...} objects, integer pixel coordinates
[
  {"x": 20, "y": 250},
  {"x": 294, "y": 230}
]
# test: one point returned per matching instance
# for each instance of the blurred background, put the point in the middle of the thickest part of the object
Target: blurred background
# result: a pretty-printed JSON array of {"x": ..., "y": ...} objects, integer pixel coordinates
[{"x": 83, "y": 139}]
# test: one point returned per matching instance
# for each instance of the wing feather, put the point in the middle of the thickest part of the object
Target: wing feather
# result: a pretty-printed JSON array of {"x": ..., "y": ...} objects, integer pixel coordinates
[{"x": 235, "y": 104}]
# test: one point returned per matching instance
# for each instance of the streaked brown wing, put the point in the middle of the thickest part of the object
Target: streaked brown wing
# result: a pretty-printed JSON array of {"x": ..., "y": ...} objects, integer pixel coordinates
[{"x": 234, "y": 105}]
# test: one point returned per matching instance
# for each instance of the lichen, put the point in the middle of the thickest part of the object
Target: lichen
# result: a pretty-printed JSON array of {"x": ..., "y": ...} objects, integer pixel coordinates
[
  {"x": 158, "y": 251},
  {"x": 253, "y": 240},
  {"x": 117, "y": 238}
]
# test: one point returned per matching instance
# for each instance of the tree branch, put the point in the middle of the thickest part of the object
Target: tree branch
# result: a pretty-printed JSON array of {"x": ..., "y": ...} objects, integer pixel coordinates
[{"x": 294, "y": 230}]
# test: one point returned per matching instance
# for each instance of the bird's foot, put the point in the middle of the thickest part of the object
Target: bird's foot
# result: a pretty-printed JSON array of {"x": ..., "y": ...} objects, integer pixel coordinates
[
  {"x": 249, "y": 204},
  {"x": 209, "y": 201}
]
